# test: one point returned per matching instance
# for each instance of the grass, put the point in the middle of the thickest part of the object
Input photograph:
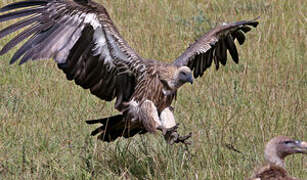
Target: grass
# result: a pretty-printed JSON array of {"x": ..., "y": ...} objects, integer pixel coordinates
[{"x": 44, "y": 136}]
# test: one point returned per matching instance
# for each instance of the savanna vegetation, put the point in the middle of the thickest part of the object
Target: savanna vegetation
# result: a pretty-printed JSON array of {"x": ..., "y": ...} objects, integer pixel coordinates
[{"x": 231, "y": 112}]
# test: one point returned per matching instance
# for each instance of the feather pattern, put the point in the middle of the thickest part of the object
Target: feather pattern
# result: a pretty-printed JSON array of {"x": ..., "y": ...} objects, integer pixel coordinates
[
  {"x": 17, "y": 26},
  {"x": 20, "y": 37},
  {"x": 22, "y": 4},
  {"x": 21, "y": 13},
  {"x": 80, "y": 37},
  {"x": 215, "y": 45}
]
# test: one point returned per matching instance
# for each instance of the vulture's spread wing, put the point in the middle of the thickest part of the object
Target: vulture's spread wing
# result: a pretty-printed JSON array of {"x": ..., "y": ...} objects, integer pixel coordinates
[
  {"x": 80, "y": 36},
  {"x": 213, "y": 46}
]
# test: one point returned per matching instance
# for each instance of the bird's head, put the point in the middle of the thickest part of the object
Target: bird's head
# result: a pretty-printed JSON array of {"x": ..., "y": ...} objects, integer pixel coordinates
[
  {"x": 183, "y": 75},
  {"x": 280, "y": 147},
  {"x": 173, "y": 77}
]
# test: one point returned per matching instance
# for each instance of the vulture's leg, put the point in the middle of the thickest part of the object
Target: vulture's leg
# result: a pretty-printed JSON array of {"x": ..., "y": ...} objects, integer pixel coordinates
[
  {"x": 169, "y": 128},
  {"x": 148, "y": 113},
  {"x": 167, "y": 118}
]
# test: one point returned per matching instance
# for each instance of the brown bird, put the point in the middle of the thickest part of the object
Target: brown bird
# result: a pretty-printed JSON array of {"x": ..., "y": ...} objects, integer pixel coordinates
[
  {"x": 275, "y": 152},
  {"x": 82, "y": 39}
]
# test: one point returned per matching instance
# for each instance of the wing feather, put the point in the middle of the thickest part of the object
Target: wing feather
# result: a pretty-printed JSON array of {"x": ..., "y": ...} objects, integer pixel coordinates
[
  {"x": 81, "y": 38},
  {"x": 202, "y": 64},
  {"x": 20, "y": 37},
  {"x": 239, "y": 35},
  {"x": 17, "y": 26},
  {"x": 22, "y": 4},
  {"x": 214, "y": 46},
  {"x": 94, "y": 75},
  {"x": 209, "y": 58},
  {"x": 232, "y": 49},
  {"x": 21, "y": 13},
  {"x": 197, "y": 70}
]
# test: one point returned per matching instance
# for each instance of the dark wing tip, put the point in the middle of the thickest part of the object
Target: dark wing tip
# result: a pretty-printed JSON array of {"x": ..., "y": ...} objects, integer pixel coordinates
[
  {"x": 12, "y": 61},
  {"x": 254, "y": 22},
  {"x": 96, "y": 121}
]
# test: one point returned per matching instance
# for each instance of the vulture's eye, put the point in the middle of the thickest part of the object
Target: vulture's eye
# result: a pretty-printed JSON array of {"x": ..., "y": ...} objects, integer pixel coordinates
[
  {"x": 183, "y": 73},
  {"x": 288, "y": 142}
]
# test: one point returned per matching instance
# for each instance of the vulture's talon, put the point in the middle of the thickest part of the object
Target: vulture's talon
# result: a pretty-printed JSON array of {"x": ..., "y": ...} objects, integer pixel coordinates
[
  {"x": 168, "y": 131},
  {"x": 173, "y": 129},
  {"x": 171, "y": 136},
  {"x": 183, "y": 139}
]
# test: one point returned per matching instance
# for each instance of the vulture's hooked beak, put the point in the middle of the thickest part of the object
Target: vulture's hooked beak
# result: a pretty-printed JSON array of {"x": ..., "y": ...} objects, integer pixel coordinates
[
  {"x": 301, "y": 147},
  {"x": 190, "y": 79}
]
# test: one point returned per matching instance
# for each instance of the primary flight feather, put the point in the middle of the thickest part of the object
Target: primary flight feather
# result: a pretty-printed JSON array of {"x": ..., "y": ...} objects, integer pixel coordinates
[{"x": 82, "y": 39}]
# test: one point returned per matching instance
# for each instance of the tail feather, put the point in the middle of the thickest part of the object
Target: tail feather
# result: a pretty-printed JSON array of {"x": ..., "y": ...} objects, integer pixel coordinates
[
  {"x": 98, "y": 130},
  {"x": 114, "y": 127},
  {"x": 105, "y": 120}
]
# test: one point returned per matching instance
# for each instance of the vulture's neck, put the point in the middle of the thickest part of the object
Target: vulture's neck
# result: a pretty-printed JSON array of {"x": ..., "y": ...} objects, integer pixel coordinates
[{"x": 271, "y": 155}]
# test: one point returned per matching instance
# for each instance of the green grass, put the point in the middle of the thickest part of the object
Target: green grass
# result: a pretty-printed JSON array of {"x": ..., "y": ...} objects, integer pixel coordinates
[{"x": 44, "y": 136}]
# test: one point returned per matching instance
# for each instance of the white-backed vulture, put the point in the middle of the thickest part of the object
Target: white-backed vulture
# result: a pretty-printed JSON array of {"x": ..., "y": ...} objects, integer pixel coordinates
[
  {"x": 275, "y": 152},
  {"x": 82, "y": 39}
]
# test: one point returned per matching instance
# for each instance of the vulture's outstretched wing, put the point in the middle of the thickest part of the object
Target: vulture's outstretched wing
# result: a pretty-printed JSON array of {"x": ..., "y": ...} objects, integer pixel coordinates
[
  {"x": 80, "y": 36},
  {"x": 213, "y": 46}
]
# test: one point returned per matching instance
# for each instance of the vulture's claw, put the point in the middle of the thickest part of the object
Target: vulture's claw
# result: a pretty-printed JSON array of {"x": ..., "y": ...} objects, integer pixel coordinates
[
  {"x": 171, "y": 136},
  {"x": 183, "y": 139}
]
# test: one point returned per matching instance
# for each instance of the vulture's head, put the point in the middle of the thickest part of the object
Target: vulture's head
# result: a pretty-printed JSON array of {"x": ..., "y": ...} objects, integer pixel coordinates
[
  {"x": 174, "y": 77},
  {"x": 183, "y": 75},
  {"x": 280, "y": 147}
]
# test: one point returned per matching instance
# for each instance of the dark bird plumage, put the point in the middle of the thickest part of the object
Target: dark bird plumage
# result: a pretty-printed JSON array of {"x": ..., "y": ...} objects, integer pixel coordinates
[
  {"x": 82, "y": 39},
  {"x": 275, "y": 152}
]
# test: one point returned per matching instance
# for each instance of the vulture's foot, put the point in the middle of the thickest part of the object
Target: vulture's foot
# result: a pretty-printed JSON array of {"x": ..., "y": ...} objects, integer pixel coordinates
[
  {"x": 183, "y": 139},
  {"x": 171, "y": 136}
]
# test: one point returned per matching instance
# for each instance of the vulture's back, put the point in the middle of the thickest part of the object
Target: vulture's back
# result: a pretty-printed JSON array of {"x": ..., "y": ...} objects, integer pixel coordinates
[{"x": 271, "y": 172}]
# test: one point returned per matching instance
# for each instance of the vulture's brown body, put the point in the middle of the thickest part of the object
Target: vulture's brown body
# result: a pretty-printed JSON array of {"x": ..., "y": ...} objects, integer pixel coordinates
[
  {"x": 272, "y": 172},
  {"x": 82, "y": 39},
  {"x": 275, "y": 152}
]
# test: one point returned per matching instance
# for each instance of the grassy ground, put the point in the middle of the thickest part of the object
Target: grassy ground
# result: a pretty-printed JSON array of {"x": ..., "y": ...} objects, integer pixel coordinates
[{"x": 44, "y": 136}]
